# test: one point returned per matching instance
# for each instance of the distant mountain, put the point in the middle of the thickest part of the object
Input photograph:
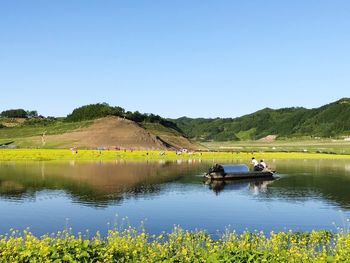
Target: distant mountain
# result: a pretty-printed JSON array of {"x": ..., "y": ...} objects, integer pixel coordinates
[{"x": 330, "y": 120}]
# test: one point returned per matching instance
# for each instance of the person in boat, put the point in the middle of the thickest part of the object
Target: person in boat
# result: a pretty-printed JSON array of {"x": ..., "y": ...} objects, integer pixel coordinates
[
  {"x": 254, "y": 162},
  {"x": 263, "y": 164},
  {"x": 217, "y": 168},
  {"x": 257, "y": 166}
]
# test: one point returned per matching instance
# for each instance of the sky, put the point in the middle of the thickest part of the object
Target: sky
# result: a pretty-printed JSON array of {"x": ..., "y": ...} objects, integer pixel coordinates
[{"x": 173, "y": 58}]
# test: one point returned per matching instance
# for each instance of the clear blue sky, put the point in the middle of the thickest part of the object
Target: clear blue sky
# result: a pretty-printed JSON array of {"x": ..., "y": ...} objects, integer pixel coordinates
[{"x": 173, "y": 58}]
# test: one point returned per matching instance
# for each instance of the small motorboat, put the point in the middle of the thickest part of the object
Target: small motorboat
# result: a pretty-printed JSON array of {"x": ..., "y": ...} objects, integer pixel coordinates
[{"x": 236, "y": 171}]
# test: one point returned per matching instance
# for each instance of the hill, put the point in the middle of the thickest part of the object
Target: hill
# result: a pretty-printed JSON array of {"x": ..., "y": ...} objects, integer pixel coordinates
[
  {"x": 331, "y": 120},
  {"x": 107, "y": 133},
  {"x": 93, "y": 126},
  {"x": 103, "y": 126}
]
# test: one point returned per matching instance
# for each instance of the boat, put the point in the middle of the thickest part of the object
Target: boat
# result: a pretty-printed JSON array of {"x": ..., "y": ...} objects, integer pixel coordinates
[{"x": 236, "y": 171}]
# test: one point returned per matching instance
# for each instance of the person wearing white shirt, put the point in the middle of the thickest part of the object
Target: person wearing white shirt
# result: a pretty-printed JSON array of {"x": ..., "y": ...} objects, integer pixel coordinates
[
  {"x": 263, "y": 164},
  {"x": 255, "y": 164}
]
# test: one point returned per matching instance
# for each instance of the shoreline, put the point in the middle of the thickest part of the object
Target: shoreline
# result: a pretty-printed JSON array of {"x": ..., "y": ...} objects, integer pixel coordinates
[{"x": 143, "y": 155}]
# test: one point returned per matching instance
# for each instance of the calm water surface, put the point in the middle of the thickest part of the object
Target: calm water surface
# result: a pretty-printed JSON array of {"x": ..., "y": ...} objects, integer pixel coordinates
[{"x": 51, "y": 196}]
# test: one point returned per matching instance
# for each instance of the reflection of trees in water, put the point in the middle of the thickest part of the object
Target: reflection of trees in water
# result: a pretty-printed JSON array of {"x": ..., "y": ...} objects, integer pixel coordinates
[{"x": 91, "y": 183}]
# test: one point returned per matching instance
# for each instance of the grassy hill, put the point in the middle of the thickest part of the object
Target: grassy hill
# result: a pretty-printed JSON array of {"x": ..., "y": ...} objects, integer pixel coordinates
[
  {"x": 108, "y": 132},
  {"x": 28, "y": 133},
  {"x": 331, "y": 120},
  {"x": 93, "y": 126},
  {"x": 101, "y": 125}
]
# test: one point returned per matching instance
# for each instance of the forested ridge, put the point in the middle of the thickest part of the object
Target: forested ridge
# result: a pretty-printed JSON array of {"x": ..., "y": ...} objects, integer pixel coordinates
[{"x": 330, "y": 120}]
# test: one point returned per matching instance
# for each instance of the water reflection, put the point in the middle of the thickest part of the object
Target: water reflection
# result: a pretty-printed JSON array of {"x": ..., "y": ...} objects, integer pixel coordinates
[
  {"x": 103, "y": 183},
  {"x": 92, "y": 183},
  {"x": 319, "y": 179},
  {"x": 308, "y": 195},
  {"x": 255, "y": 186}
]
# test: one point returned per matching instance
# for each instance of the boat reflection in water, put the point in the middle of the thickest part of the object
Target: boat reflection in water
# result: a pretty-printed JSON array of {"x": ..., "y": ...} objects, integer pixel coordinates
[{"x": 255, "y": 186}]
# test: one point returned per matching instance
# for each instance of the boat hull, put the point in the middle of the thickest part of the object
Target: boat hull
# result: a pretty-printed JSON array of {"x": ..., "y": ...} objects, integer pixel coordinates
[{"x": 240, "y": 175}]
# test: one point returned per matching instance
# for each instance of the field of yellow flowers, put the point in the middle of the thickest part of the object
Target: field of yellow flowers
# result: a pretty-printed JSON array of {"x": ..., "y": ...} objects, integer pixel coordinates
[
  {"x": 131, "y": 245},
  {"x": 61, "y": 154}
]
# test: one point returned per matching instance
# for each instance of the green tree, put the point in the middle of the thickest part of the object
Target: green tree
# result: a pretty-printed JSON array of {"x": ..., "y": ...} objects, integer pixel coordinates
[
  {"x": 14, "y": 113},
  {"x": 93, "y": 111}
]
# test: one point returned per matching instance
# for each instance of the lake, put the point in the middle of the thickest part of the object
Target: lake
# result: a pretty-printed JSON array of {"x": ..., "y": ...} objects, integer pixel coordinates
[{"x": 97, "y": 196}]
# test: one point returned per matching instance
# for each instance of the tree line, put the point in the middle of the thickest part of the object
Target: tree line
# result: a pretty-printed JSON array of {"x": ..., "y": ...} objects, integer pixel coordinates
[
  {"x": 90, "y": 112},
  {"x": 19, "y": 113},
  {"x": 99, "y": 110}
]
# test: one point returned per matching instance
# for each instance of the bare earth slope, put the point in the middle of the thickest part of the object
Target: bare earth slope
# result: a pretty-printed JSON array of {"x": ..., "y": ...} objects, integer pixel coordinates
[
  {"x": 171, "y": 137},
  {"x": 112, "y": 133},
  {"x": 109, "y": 132}
]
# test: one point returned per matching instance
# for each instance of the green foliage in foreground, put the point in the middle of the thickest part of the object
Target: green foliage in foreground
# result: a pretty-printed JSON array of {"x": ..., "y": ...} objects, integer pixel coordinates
[{"x": 178, "y": 246}]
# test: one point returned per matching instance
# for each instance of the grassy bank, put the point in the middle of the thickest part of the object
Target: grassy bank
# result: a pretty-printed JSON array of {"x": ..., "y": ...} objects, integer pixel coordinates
[
  {"x": 25, "y": 134},
  {"x": 55, "y": 154},
  {"x": 177, "y": 246},
  {"x": 319, "y": 145}
]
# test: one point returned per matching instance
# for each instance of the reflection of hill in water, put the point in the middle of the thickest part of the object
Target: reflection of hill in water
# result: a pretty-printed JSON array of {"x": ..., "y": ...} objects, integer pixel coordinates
[
  {"x": 98, "y": 183},
  {"x": 103, "y": 183}
]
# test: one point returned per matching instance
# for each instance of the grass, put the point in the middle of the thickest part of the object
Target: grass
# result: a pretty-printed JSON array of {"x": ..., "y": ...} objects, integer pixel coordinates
[
  {"x": 23, "y": 133},
  {"x": 27, "y": 134},
  {"x": 56, "y": 154},
  {"x": 288, "y": 145},
  {"x": 159, "y": 130},
  {"x": 132, "y": 245}
]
